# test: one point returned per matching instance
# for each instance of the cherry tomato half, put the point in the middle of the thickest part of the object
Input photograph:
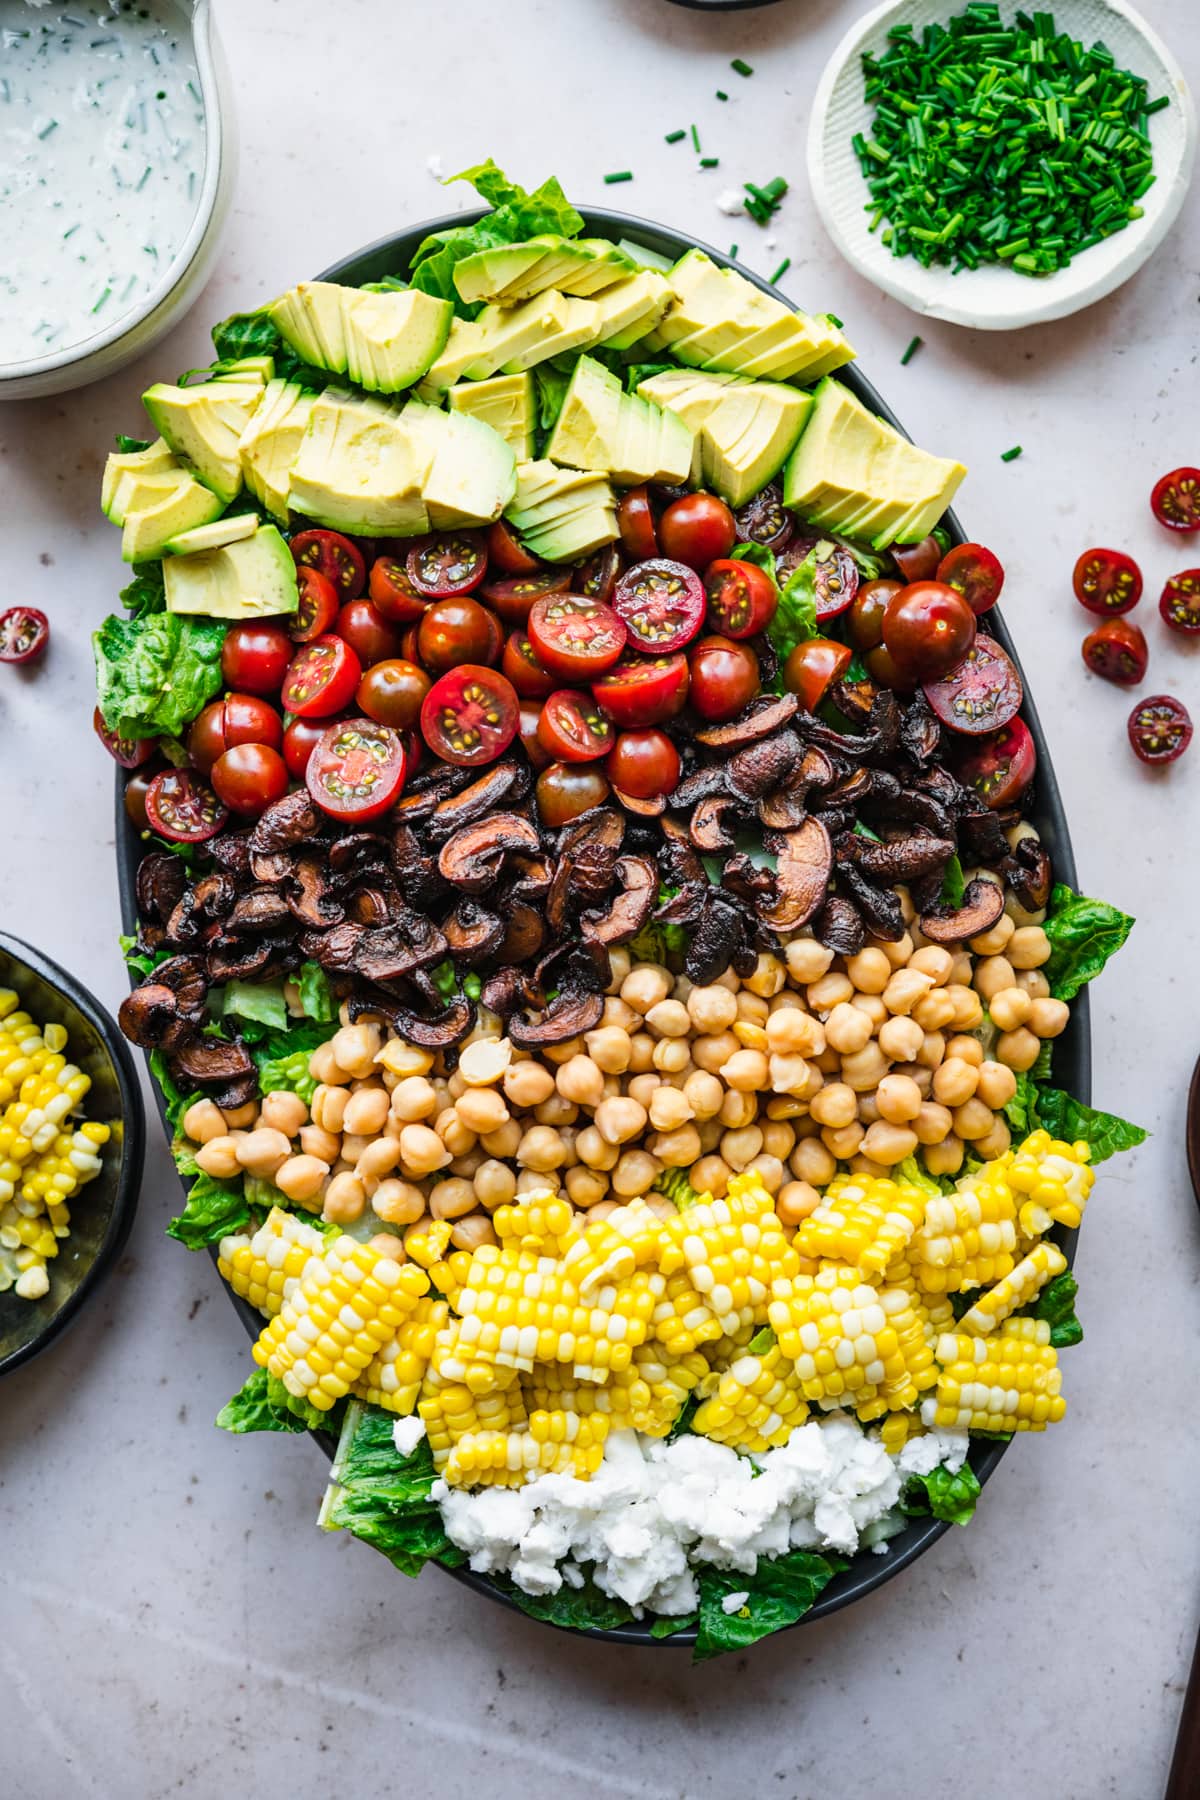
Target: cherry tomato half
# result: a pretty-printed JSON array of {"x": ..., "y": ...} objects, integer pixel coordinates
[
  {"x": 742, "y": 598},
  {"x": 928, "y": 629},
  {"x": 131, "y": 753},
  {"x": 458, "y": 630},
  {"x": 724, "y": 678},
  {"x": 565, "y": 790},
  {"x": 643, "y": 690},
  {"x": 696, "y": 530},
  {"x": 237, "y": 719},
  {"x": 470, "y": 716},
  {"x": 356, "y": 769},
  {"x": 643, "y": 763},
  {"x": 977, "y": 574},
  {"x": 1160, "y": 728},
  {"x": 24, "y": 634},
  {"x": 393, "y": 692},
  {"x": 573, "y": 728},
  {"x": 181, "y": 806},
  {"x": 1179, "y": 602},
  {"x": 507, "y": 553},
  {"x": 299, "y": 737},
  {"x": 1002, "y": 766},
  {"x": 982, "y": 694},
  {"x": 1116, "y": 650},
  {"x": 635, "y": 522},
  {"x": 531, "y": 712},
  {"x": 452, "y": 562},
  {"x": 917, "y": 562},
  {"x": 765, "y": 519},
  {"x": 1175, "y": 501},
  {"x": 521, "y": 665},
  {"x": 575, "y": 636},
  {"x": 321, "y": 679},
  {"x": 249, "y": 778},
  {"x": 662, "y": 603},
  {"x": 318, "y": 608},
  {"x": 597, "y": 577},
  {"x": 255, "y": 656},
  {"x": 392, "y": 593},
  {"x": 513, "y": 599},
  {"x": 1107, "y": 582},
  {"x": 335, "y": 557},
  {"x": 865, "y": 623},
  {"x": 813, "y": 666},
  {"x": 136, "y": 790}
]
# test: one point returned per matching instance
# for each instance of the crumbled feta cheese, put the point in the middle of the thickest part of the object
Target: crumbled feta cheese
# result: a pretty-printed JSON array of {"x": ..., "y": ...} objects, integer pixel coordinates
[
  {"x": 436, "y": 168},
  {"x": 770, "y": 243},
  {"x": 407, "y": 1434},
  {"x": 734, "y": 1602},
  {"x": 731, "y": 201}
]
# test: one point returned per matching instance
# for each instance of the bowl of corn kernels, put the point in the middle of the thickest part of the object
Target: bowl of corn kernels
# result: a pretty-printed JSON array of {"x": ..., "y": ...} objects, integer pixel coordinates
[{"x": 71, "y": 1145}]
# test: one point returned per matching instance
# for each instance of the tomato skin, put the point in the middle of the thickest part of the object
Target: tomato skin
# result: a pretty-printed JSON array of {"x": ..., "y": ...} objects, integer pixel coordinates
[
  {"x": 865, "y": 624},
  {"x": 333, "y": 556},
  {"x": 393, "y": 594},
  {"x": 317, "y": 610},
  {"x": 206, "y": 736},
  {"x": 392, "y": 693},
  {"x": 1117, "y": 651},
  {"x": 662, "y": 604},
  {"x": 576, "y": 636},
  {"x": 254, "y": 657},
  {"x": 642, "y": 691},
  {"x": 976, "y": 573},
  {"x": 928, "y": 629},
  {"x": 371, "y": 637},
  {"x": 531, "y": 712},
  {"x": 813, "y": 666},
  {"x": 1107, "y": 582},
  {"x": 597, "y": 577},
  {"x": 572, "y": 728},
  {"x": 643, "y": 763},
  {"x": 24, "y": 634},
  {"x": 455, "y": 631},
  {"x": 917, "y": 562},
  {"x": 237, "y": 719},
  {"x": 835, "y": 576},
  {"x": 1000, "y": 767},
  {"x": 1160, "y": 728},
  {"x": 521, "y": 665},
  {"x": 635, "y": 522},
  {"x": 724, "y": 678},
  {"x": 249, "y": 778},
  {"x": 298, "y": 739},
  {"x": 741, "y": 598},
  {"x": 513, "y": 598},
  {"x": 356, "y": 770},
  {"x": 697, "y": 530},
  {"x": 130, "y": 753},
  {"x": 322, "y": 678},
  {"x": 881, "y": 667},
  {"x": 1175, "y": 500},
  {"x": 765, "y": 519},
  {"x": 564, "y": 790},
  {"x": 183, "y": 807},
  {"x": 1179, "y": 602},
  {"x": 470, "y": 716},
  {"x": 446, "y": 563},
  {"x": 982, "y": 694},
  {"x": 506, "y": 551},
  {"x": 136, "y": 790}
]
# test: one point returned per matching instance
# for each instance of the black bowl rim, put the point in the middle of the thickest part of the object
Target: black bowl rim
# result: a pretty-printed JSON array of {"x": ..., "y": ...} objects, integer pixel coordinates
[
  {"x": 133, "y": 1146},
  {"x": 867, "y": 1572}
]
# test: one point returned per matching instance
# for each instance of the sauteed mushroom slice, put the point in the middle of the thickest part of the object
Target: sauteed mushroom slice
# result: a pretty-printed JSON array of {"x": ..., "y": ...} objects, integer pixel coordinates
[
  {"x": 981, "y": 906},
  {"x": 804, "y": 867}
]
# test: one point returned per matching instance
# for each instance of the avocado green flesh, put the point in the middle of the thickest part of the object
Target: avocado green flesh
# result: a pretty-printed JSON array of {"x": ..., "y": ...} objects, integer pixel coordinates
[
  {"x": 562, "y": 514},
  {"x": 203, "y": 425},
  {"x": 601, "y": 427},
  {"x": 157, "y": 459},
  {"x": 383, "y": 341},
  {"x": 723, "y": 322},
  {"x": 745, "y": 430},
  {"x": 505, "y": 402},
  {"x": 251, "y": 578},
  {"x": 472, "y": 474},
  {"x": 513, "y": 272},
  {"x": 147, "y": 530},
  {"x": 271, "y": 441},
  {"x": 214, "y": 536}
]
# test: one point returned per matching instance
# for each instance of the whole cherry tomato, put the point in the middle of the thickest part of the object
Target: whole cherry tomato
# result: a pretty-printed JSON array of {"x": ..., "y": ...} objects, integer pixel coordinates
[
  {"x": 455, "y": 631},
  {"x": 724, "y": 678},
  {"x": 371, "y": 637},
  {"x": 255, "y": 657},
  {"x": 643, "y": 763},
  {"x": 249, "y": 778},
  {"x": 393, "y": 692},
  {"x": 696, "y": 530},
  {"x": 928, "y": 629}
]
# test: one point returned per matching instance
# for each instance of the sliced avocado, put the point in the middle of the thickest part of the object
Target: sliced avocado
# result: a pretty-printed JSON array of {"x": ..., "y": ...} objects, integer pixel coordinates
[
  {"x": 203, "y": 424},
  {"x": 359, "y": 469},
  {"x": 626, "y": 311},
  {"x": 214, "y": 536},
  {"x": 133, "y": 492},
  {"x": 271, "y": 442},
  {"x": 252, "y": 578},
  {"x": 147, "y": 530},
  {"x": 516, "y": 337},
  {"x": 512, "y": 272},
  {"x": 644, "y": 257},
  {"x": 562, "y": 514},
  {"x": 501, "y": 272},
  {"x": 472, "y": 472},
  {"x": 463, "y": 346},
  {"x": 384, "y": 341},
  {"x": 745, "y": 429},
  {"x": 505, "y": 402},
  {"x": 309, "y": 316},
  {"x": 156, "y": 459},
  {"x": 246, "y": 368},
  {"x": 722, "y": 321},
  {"x": 601, "y": 427}
]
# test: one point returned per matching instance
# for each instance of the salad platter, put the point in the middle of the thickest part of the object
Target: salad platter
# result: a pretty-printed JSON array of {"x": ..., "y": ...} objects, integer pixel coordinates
[{"x": 733, "y": 912}]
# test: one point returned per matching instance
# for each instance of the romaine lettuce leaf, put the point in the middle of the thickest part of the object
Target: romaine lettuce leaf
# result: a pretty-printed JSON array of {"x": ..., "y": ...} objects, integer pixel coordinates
[
  {"x": 1105, "y": 1133},
  {"x": 781, "y": 1590},
  {"x": 384, "y": 1498},
  {"x": 258, "y": 1002},
  {"x": 256, "y": 334},
  {"x": 795, "y": 619},
  {"x": 953, "y": 883},
  {"x": 154, "y": 673},
  {"x": 1056, "y": 1305},
  {"x": 577, "y": 1609},
  {"x": 130, "y": 445},
  {"x": 214, "y": 1209},
  {"x": 264, "y": 1404},
  {"x": 1083, "y": 935},
  {"x": 146, "y": 593},
  {"x": 666, "y": 1628},
  {"x": 947, "y": 1496},
  {"x": 316, "y": 995},
  {"x": 282, "y": 1057},
  {"x": 516, "y": 215}
]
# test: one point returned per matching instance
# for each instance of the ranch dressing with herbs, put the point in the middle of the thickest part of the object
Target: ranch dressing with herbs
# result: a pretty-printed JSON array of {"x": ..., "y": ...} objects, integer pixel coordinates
[{"x": 101, "y": 157}]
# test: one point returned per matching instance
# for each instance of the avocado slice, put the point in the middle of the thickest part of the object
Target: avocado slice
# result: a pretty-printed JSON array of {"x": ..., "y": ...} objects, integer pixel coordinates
[
  {"x": 628, "y": 310},
  {"x": 601, "y": 427},
  {"x": 251, "y": 578},
  {"x": 384, "y": 341},
  {"x": 723, "y": 322},
  {"x": 214, "y": 536},
  {"x": 185, "y": 504},
  {"x": 271, "y": 442},
  {"x": 562, "y": 514},
  {"x": 157, "y": 459},
  {"x": 246, "y": 368},
  {"x": 745, "y": 429},
  {"x": 202, "y": 424},
  {"x": 359, "y": 469},
  {"x": 505, "y": 402},
  {"x": 472, "y": 470},
  {"x": 512, "y": 272},
  {"x": 134, "y": 492},
  {"x": 644, "y": 257}
]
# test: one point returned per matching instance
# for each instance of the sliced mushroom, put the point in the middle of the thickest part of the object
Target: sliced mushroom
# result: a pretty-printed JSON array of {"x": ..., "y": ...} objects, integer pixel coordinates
[
  {"x": 416, "y": 872},
  {"x": 750, "y": 881},
  {"x": 920, "y": 730},
  {"x": 392, "y": 952},
  {"x": 504, "y": 784},
  {"x": 471, "y": 859},
  {"x": 717, "y": 939},
  {"x": 876, "y": 745},
  {"x": 230, "y": 850},
  {"x": 357, "y": 852},
  {"x": 372, "y": 905},
  {"x": 879, "y": 906},
  {"x": 531, "y": 881},
  {"x": 677, "y": 858},
  {"x": 238, "y": 959},
  {"x": 762, "y": 717},
  {"x": 505, "y": 991},
  {"x": 309, "y": 898},
  {"x": 714, "y": 824},
  {"x": 982, "y": 904},
  {"x": 472, "y": 933},
  {"x": 642, "y": 806},
  {"x": 762, "y": 767},
  {"x": 214, "y": 895},
  {"x": 805, "y": 864},
  {"x": 853, "y": 699},
  {"x": 592, "y": 850},
  {"x": 152, "y": 1019},
  {"x": 686, "y": 907},
  {"x": 440, "y": 1032},
  {"x": 524, "y": 933},
  {"x": 629, "y": 910},
  {"x": 700, "y": 784},
  {"x": 271, "y": 867},
  {"x": 333, "y": 949},
  {"x": 183, "y": 927},
  {"x": 1030, "y": 874},
  {"x": 160, "y": 884},
  {"x": 839, "y": 926},
  {"x": 896, "y": 859},
  {"x": 186, "y": 978},
  {"x": 212, "y": 1059},
  {"x": 566, "y": 1017},
  {"x": 981, "y": 836},
  {"x": 290, "y": 821},
  {"x": 238, "y": 1092},
  {"x": 260, "y": 910}
]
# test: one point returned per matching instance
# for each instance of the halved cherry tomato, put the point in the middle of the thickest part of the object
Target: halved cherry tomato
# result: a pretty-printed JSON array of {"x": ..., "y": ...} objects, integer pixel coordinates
[
  {"x": 697, "y": 530},
  {"x": 1117, "y": 651},
  {"x": 977, "y": 574},
  {"x": 928, "y": 629},
  {"x": 318, "y": 608},
  {"x": 531, "y": 712},
  {"x": 1000, "y": 767},
  {"x": 24, "y": 634},
  {"x": 1179, "y": 602},
  {"x": 813, "y": 666},
  {"x": 635, "y": 522},
  {"x": 131, "y": 753},
  {"x": 249, "y": 778},
  {"x": 742, "y": 598},
  {"x": 573, "y": 728},
  {"x": 1107, "y": 582},
  {"x": 333, "y": 556},
  {"x": 322, "y": 678},
  {"x": 1175, "y": 500},
  {"x": 458, "y": 630},
  {"x": 181, "y": 806},
  {"x": 392, "y": 693},
  {"x": 576, "y": 636},
  {"x": 521, "y": 665},
  {"x": 643, "y": 763},
  {"x": 662, "y": 603},
  {"x": 237, "y": 719},
  {"x": 356, "y": 769},
  {"x": 136, "y": 790},
  {"x": 393, "y": 593},
  {"x": 917, "y": 562},
  {"x": 255, "y": 656},
  {"x": 507, "y": 552},
  {"x": 1160, "y": 728},
  {"x": 470, "y": 716},
  {"x": 565, "y": 790},
  {"x": 299, "y": 737},
  {"x": 765, "y": 519},
  {"x": 513, "y": 599},
  {"x": 452, "y": 562},
  {"x": 982, "y": 694},
  {"x": 724, "y": 677},
  {"x": 835, "y": 581},
  {"x": 644, "y": 691},
  {"x": 598, "y": 576},
  {"x": 865, "y": 623}
]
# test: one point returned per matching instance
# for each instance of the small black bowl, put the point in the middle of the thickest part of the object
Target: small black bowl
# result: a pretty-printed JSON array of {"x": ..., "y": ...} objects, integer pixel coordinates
[{"x": 102, "y": 1211}]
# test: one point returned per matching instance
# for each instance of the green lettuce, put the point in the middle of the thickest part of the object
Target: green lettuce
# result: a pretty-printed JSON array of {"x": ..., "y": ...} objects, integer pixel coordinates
[
  {"x": 1056, "y": 1306},
  {"x": 659, "y": 939},
  {"x": 130, "y": 445},
  {"x": 384, "y": 1498},
  {"x": 947, "y": 1496},
  {"x": 146, "y": 593},
  {"x": 256, "y": 334},
  {"x": 257, "y": 1003},
  {"x": 154, "y": 673},
  {"x": 1083, "y": 935},
  {"x": 175, "y": 1098},
  {"x": 953, "y": 883},
  {"x": 282, "y": 1058},
  {"x": 316, "y": 995},
  {"x": 666, "y": 1628},
  {"x": 1021, "y": 1111},
  {"x": 516, "y": 215},
  {"x": 264, "y": 1404},
  {"x": 549, "y": 389},
  {"x": 214, "y": 1210},
  {"x": 1035, "y": 1105},
  {"x": 780, "y": 1592},
  {"x": 576, "y": 1609},
  {"x": 795, "y": 619}
]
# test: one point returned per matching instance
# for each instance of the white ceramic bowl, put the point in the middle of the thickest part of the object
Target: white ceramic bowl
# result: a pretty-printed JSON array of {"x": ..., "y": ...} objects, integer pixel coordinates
[
  {"x": 993, "y": 298},
  {"x": 136, "y": 330}
]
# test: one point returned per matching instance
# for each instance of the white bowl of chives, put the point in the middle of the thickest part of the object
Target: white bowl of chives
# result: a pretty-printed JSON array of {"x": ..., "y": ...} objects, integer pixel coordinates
[{"x": 994, "y": 296}]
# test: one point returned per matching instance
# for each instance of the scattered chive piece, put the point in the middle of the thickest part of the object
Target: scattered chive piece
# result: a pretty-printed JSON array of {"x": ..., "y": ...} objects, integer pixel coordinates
[
  {"x": 761, "y": 202},
  {"x": 913, "y": 346},
  {"x": 741, "y": 68},
  {"x": 1010, "y": 455},
  {"x": 834, "y": 320},
  {"x": 619, "y": 175},
  {"x": 733, "y": 250},
  {"x": 695, "y": 140},
  {"x": 100, "y": 302},
  {"x": 782, "y": 270},
  {"x": 673, "y": 137},
  {"x": 721, "y": 94},
  {"x": 47, "y": 128},
  {"x": 709, "y": 162}
]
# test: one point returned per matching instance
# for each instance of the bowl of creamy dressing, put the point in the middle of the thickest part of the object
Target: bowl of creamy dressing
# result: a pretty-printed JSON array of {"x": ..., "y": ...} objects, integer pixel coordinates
[{"x": 116, "y": 172}]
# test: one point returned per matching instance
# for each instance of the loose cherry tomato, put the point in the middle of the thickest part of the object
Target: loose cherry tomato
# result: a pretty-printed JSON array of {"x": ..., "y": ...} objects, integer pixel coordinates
[
  {"x": 976, "y": 573},
  {"x": 181, "y": 806},
  {"x": 575, "y": 636},
  {"x": 1107, "y": 582},
  {"x": 724, "y": 677},
  {"x": 131, "y": 753},
  {"x": 813, "y": 666},
  {"x": 573, "y": 728},
  {"x": 928, "y": 628},
  {"x": 1179, "y": 602},
  {"x": 598, "y": 576},
  {"x": 742, "y": 598},
  {"x": 356, "y": 769},
  {"x": 865, "y": 623},
  {"x": 321, "y": 679},
  {"x": 206, "y": 736},
  {"x": 333, "y": 556},
  {"x": 696, "y": 530},
  {"x": 882, "y": 668},
  {"x": 982, "y": 694},
  {"x": 409, "y": 648},
  {"x": 24, "y": 634},
  {"x": 521, "y": 665},
  {"x": 635, "y": 522},
  {"x": 1175, "y": 501},
  {"x": 452, "y": 562},
  {"x": 513, "y": 599},
  {"x": 470, "y": 716},
  {"x": 371, "y": 637},
  {"x": 255, "y": 656},
  {"x": 835, "y": 582},
  {"x": 318, "y": 608},
  {"x": 765, "y": 519},
  {"x": 917, "y": 562},
  {"x": 393, "y": 593},
  {"x": 136, "y": 790},
  {"x": 643, "y": 763},
  {"x": 298, "y": 740},
  {"x": 565, "y": 790},
  {"x": 644, "y": 691},
  {"x": 1160, "y": 728},
  {"x": 1000, "y": 767},
  {"x": 393, "y": 692},
  {"x": 506, "y": 551},
  {"x": 531, "y": 712},
  {"x": 458, "y": 630},
  {"x": 249, "y": 778},
  {"x": 662, "y": 603},
  {"x": 237, "y": 719},
  {"x": 1117, "y": 651}
]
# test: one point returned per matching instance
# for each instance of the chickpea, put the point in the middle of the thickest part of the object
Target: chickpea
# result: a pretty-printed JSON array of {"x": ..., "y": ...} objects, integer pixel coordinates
[
  {"x": 741, "y": 1147},
  {"x": 324, "y": 1066},
  {"x": 835, "y": 1104},
  {"x": 866, "y": 1110},
  {"x": 456, "y": 1085},
  {"x": 899, "y": 951},
  {"x": 604, "y": 1210},
  {"x": 619, "y": 962},
  {"x": 503, "y": 1142},
  {"x": 932, "y": 1051},
  {"x": 704, "y": 1094},
  {"x": 731, "y": 979},
  {"x": 919, "y": 1073},
  {"x": 905, "y": 988},
  {"x": 471, "y": 1232},
  {"x": 847, "y": 1029},
  {"x": 413, "y": 1098},
  {"x": 485, "y": 1061},
  {"x": 712, "y": 1050},
  {"x": 901, "y": 1038},
  {"x": 672, "y": 1056},
  {"x": 218, "y": 1157},
  {"x": 527, "y": 1083},
  {"x": 453, "y": 1198},
  {"x": 867, "y": 1165},
  {"x": 779, "y": 1138},
  {"x": 682, "y": 988},
  {"x": 795, "y": 1201},
  {"x": 792, "y": 1075},
  {"x": 263, "y": 1151},
  {"x": 824, "y": 995},
  {"x": 805, "y": 1127},
  {"x": 932, "y": 1123},
  {"x": 399, "y": 1058},
  {"x": 561, "y": 1053},
  {"x": 945, "y": 1158},
  {"x": 767, "y": 977},
  {"x": 366, "y": 1111},
  {"x": 973, "y": 1120},
  {"x": 620, "y": 1120},
  {"x": 669, "y": 1109},
  {"x": 386, "y": 1243},
  {"x": 711, "y": 1176},
  {"x": 966, "y": 1048},
  {"x": 538, "y": 1181},
  {"x": 617, "y": 1013},
  {"x": 608, "y": 1047},
  {"x": 422, "y": 1150},
  {"x": 678, "y": 1149},
  {"x": 645, "y": 986},
  {"x": 316, "y": 1142},
  {"x": 1028, "y": 947},
  {"x": 481, "y": 1109},
  {"x": 641, "y": 1052},
  {"x": 556, "y": 1111},
  {"x": 898, "y": 1098},
  {"x": 1048, "y": 1018},
  {"x": 992, "y": 975},
  {"x": 935, "y": 960},
  {"x": 738, "y": 1109},
  {"x": 670, "y": 1018},
  {"x": 1009, "y": 1008},
  {"x": 541, "y": 1149},
  {"x": 329, "y": 1107},
  {"x": 869, "y": 970},
  {"x": 887, "y": 1143},
  {"x": 934, "y": 1010},
  {"x": 806, "y": 960},
  {"x": 872, "y": 1007},
  {"x": 994, "y": 1143},
  {"x": 467, "y": 1165},
  {"x": 1018, "y": 1049},
  {"x": 752, "y": 1010},
  {"x": 355, "y": 1047},
  {"x": 746, "y": 1071},
  {"x": 353, "y": 1147},
  {"x": 842, "y": 1141},
  {"x": 378, "y": 1159},
  {"x": 494, "y": 1184},
  {"x": 635, "y": 1173},
  {"x": 586, "y": 1187},
  {"x": 793, "y": 1032},
  {"x": 204, "y": 1120},
  {"x": 994, "y": 941},
  {"x": 968, "y": 1008},
  {"x": 345, "y": 1199},
  {"x": 997, "y": 1085},
  {"x": 643, "y": 1088},
  {"x": 813, "y": 1161},
  {"x": 454, "y": 1133},
  {"x": 1034, "y": 983},
  {"x": 954, "y": 1082},
  {"x": 864, "y": 1069},
  {"x": 787, "y": 1106}
]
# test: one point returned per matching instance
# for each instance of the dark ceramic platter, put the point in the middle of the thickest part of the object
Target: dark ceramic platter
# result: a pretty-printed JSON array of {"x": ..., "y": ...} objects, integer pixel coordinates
[{"x": 1072, "y": 1056}]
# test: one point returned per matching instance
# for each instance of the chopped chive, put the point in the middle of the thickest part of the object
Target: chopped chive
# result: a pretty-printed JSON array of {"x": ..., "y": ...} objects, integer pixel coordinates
[
  {"x": 673, "y": 137},
  {"x": 143, "y": 178},
  {"x": 913, "y": 346},
  {"x": 1156, "y": 105},
  {"x": 782, "y": 270},
  {"x": 193, "y": 90},
  {"x": 100, "y": 302},
  {"x": 47, "y": 128},
  {"x": 721, "y": 95},
  {"x": 695, "y": 140},
  {"x": 1010, "y": 455},
  {"x": 741, "y": 68},
  {"x": 70, "y": 232},
  {"x": 733, "y": 250},
  {"x": 618, "y": 175},
  {"x": 709, "y": 162}
]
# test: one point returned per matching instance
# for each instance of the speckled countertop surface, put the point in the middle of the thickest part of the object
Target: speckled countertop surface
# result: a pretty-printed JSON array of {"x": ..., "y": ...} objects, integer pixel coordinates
[{"x": 172, "y": 1621}]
